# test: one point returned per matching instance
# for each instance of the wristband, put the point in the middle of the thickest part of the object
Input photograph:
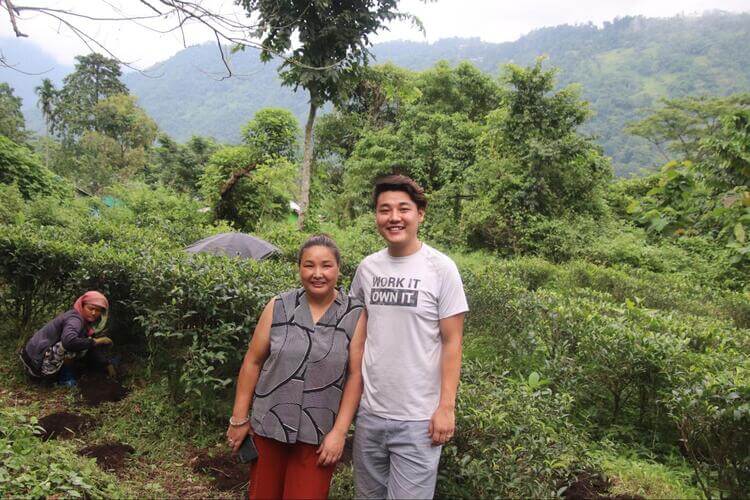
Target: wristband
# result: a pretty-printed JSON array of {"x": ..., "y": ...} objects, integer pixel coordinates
[{"x": 240, "y": 423}]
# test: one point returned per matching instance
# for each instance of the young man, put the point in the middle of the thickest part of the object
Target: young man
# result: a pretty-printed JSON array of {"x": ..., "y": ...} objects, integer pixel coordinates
[{"x": 415, "y": 306}]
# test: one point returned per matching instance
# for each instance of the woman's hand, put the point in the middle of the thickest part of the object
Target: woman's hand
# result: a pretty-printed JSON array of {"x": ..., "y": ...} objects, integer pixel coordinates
[
  {"x": 330, "y": 450},
  {"x": 236, "y": 435}
]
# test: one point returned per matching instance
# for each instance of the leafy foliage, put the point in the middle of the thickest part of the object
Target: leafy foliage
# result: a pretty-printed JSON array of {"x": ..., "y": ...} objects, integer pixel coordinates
[
  {"x": 105, "y": 135},
  {"x": 533, "y": 161},
  {"x": 21, "y": 167},
  {"x": 262, "y": 192},
  {"x": 12, "y": 122},
  {"x": 333, "y": 49},
  {"x": 506, "y": 446},
  {"x": 273, "y": 132},
  {"x": 711, "y": 195},
  {"x": 70, "y": 110},
  {"x": 30, "y": 467},
  {"x": 713, "y": 417},
  {"x": 179, "y": 166}
]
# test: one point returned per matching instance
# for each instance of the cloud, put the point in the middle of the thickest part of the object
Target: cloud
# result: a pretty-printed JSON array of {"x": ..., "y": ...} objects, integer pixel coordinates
[{"x": 490, "y": 20}]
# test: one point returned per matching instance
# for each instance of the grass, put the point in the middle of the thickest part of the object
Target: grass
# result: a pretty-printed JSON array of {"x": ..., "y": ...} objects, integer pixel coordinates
[{"x": 634, "y": 475}]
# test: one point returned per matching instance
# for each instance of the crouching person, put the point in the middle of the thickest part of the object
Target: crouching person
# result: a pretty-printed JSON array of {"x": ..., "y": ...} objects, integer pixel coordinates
[{"x": 69, "y": 336}]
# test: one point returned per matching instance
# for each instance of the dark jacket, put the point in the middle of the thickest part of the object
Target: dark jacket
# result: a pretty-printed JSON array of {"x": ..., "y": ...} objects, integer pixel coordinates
[{"x": 68, "y": 327}]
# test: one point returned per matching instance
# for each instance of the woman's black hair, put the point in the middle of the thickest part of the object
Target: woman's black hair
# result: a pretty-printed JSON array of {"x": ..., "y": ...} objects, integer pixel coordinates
[{"x": 320, "y": 240}]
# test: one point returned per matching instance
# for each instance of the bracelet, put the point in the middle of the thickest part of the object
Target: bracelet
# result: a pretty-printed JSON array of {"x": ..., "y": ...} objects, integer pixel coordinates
[{"x": 234, "y": 423}]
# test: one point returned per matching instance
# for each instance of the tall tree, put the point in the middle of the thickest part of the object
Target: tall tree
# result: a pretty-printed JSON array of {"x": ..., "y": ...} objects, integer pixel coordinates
[
  {"x": 47, "y": 94},
  {"x": 179, "y": 166},
  {"x": 273, "y": 132},
  {"x": 532, "y": 163},
  {"x": 12, "y": 123},
  {"x": 677, "y": 126},
  {"x": 117, "y": 144},
  {"x": 95, "y": 78},
  {"x": 334, "y": 37}
]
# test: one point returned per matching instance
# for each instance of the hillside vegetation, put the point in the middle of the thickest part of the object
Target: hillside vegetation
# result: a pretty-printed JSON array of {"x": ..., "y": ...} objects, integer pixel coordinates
[
  {"x": 624, "y": 68},
  {"x": 606, "y": 351}
]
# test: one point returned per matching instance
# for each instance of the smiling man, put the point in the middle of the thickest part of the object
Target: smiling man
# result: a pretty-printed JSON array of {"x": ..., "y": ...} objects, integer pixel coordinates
[{"x": 412, "y": 361}]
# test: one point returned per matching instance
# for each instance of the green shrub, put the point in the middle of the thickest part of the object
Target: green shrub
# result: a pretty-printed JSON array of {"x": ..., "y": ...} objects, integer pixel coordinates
[
  {"x": 21, "y": 167},
  {"x": 625, "y": 361},
  {"x": 36, "y": 275},
  {"x": 32, "y": 468},
  {"x": 712, "y": 414},
  {"x": 513, "y": 439},
  {"x": 177, "y": 216},
  {"x": 193, "y": 313},
  {"x": 198, "y": 315},
  {"x": 11, "y": 204}
]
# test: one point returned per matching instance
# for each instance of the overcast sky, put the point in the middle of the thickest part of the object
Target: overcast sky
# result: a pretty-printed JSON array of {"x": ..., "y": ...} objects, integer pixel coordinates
[{"x": 490, "y": 20}]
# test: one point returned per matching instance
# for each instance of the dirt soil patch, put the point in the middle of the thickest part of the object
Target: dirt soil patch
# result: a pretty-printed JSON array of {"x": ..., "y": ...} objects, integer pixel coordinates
[
  {"x": 109, "y": 456},
  {"x": 594, "y": 486},
  {"x": 99, "y": 389},
  {"x": 64, "y": 425},
  {"x": 227, "y": 472}
]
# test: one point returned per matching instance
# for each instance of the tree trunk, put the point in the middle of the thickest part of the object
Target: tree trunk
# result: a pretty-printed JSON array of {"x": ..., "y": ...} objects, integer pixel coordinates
[
  {"x": 306, "y": 168},
  {"x": 228, "y": 186}
]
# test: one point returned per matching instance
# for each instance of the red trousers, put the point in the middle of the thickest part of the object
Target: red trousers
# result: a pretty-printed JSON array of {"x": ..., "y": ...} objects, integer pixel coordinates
[{"x": 288, "y": 471}]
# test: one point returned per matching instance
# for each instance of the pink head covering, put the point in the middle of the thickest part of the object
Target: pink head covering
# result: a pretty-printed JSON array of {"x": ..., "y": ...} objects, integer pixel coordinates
[{"x": 91, "y": 297}]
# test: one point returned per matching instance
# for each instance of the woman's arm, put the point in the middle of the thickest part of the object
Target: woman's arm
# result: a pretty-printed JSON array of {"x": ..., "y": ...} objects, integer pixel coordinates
[
  {"x": 70, "y": 336},
  {"x": 257, "y": 353},
  {"x": 332, "y": 447}
]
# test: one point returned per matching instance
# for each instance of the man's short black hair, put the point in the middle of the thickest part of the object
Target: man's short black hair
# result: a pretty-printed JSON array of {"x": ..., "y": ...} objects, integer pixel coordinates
[{"x": 398, "y": 182}]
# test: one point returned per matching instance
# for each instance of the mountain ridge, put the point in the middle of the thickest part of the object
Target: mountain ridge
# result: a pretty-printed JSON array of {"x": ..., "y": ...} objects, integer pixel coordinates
[{"x": 623, "y": 66}]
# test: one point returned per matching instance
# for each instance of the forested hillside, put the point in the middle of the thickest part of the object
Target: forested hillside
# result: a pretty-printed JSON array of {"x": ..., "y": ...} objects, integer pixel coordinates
[{"x": 623, "y": 67}]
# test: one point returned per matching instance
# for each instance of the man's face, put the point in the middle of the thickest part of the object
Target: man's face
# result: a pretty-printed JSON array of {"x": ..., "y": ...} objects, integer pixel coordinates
[{"x": 397, "y": 218}]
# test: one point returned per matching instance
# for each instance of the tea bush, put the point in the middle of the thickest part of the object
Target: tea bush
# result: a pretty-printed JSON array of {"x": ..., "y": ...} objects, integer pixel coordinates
[
  {"x": 198, "y": 315},
  {"x": 193, "y": 313},
  {"x": 35, "y": 273},
  {"x": 32, "y": 468},
  {"x": 11, "y": 204},
  {"x": 514, "y": 438},
  {"x": 712, "y": 414}
]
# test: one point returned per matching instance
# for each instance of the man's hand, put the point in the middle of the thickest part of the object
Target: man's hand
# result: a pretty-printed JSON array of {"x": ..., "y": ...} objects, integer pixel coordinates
[
  {"x": 330, "y": 450},
  {"x": 442, "y": 425},
  {"x": 99, "y": 341}
]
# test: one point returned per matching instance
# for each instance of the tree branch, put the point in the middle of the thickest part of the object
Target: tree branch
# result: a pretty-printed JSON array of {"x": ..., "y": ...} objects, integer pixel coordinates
[
  {"x": 226, "y": 30},
  {"x": 12, "y": 11}
]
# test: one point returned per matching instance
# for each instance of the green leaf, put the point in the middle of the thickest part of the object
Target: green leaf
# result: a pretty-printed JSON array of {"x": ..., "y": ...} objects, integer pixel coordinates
[
  {"x": 739, "y": 233},
  {"x": 633, "y": 207},
  {"x": 534, "y": 380}
]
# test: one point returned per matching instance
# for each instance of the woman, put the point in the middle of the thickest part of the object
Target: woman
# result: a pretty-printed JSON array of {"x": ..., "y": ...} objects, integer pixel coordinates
[
  {"x": 302, "y": 375},
  {"x": 69, "y": 336}
]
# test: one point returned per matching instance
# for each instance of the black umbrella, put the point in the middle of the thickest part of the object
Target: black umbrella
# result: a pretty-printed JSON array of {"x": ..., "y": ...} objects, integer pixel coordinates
[{"x": 234, "y": 245}]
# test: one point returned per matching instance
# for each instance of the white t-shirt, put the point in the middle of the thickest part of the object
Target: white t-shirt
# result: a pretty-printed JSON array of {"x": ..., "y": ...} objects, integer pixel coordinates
[{"x": 405, "y": 298}]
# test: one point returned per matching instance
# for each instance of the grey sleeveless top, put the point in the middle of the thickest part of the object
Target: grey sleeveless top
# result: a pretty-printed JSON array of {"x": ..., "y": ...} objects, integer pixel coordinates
[{"x": 300, "y": 385}]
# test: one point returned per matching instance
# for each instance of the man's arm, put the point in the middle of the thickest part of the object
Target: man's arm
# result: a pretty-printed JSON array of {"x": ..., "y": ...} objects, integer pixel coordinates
[{"x": 443, "y": 421}]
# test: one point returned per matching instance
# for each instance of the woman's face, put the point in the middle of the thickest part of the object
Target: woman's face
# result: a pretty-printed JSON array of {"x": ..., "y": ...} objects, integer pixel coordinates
[
  {"x": 91, "y": 313},
  {"x": 318, "y": 271}
]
